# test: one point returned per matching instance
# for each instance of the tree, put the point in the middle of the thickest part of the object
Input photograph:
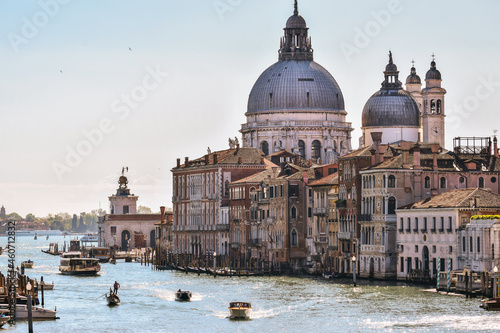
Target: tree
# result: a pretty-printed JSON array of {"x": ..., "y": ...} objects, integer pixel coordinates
[
  {"x": 30, "y": 218},
  {"x": 144, "y": 210},
  {"x": 14, "y": 217},
  {"x": 74, "y": 222}
]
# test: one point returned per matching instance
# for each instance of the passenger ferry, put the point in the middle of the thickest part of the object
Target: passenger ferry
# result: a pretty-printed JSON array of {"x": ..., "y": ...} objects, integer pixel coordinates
[{"x": 72, "y": 263}]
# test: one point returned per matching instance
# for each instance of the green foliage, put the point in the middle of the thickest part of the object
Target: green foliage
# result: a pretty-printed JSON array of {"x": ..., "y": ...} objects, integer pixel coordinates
[
  {"x": 14, "y": 217},
  {"x": 30, "y": 218}
]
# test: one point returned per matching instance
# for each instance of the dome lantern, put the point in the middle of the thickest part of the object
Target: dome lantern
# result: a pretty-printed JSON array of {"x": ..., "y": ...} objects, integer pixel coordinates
[{"x": 295, "y": 44}]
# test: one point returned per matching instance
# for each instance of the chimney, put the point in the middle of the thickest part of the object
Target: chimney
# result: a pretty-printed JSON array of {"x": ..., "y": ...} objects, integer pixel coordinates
[
  {"x": 405, "y": 146},
  {"x": 162, "y": 211},
  {"x": 305, "y": 176},
  {"x": 374, "y": 157},
  {"x": 215, "y": 159},
  {"x": 377, "y": 140},
  {"x": 489, "y": 146},
  {"x": 416, "y": 157},
  {"x": 495, "y": 147},
  {"x": 178, "y": 162},
  {"x": 239, "y": 160},
  {"x": 206, "y": 159},
  {"x": 262, "y": 160},
  {"x": 434, "y": 149},
  {"x": 186, "y": 161}
]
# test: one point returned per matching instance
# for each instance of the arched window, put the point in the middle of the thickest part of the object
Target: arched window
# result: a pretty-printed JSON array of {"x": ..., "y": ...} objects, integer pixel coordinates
[
  {"x": 433, "y": 106},
  {"x": 302, "y": 149},
  {"x": 439, "y": 106},
  {"x": 427, "y": 182},
  {"x": 294, "y": 239},
  {"x": 391, "y": 206},
  {"x": 316, "y": 150},
  {"x": 294, "y": 212},
  {"x": 442, "y": 182},
  {"x": 264, "y": 146},
  {"x": 391, "y": 183},
  {"x": 481, "y": 182}
]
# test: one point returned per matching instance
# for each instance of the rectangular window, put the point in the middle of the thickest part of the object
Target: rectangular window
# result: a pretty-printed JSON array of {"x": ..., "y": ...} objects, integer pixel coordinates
[
  {"x": 402, "y": 269},
  {"x": 125, "y": 209},
  {"x": 450, "y": 224},
  {"x": 433, "y": 225},
  {"x": 294, "y": 191},
  {"x": 441, "y": 229},
  {"x": 113, "y": 230},
  {"x": 478, "y": 245},
  {"x": 464, "y": 249},
  {"x": 425, "y": 224},
  {"x": 416, "y": 225},
  {"x": 402, "y": 225},
  {"x": 408, "y": 227},
  {"x": 434, "y": 249},
  {"x": 450, "y": 249},
  {"x": 416, "y": 248},
  {"x": 471, "y": 249},
  {"x": 309, "y": 212}
]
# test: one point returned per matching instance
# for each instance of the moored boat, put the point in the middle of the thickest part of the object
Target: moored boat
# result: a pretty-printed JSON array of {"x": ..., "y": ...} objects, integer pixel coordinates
[
  {"x": 27, "y": 264},
  {"x": 240, "y": 310},
  {"x": 37, "y": 313},
  {"x": 112, "y": 298},
  {"x": 47, "y": 286},
  {"x": 72, "y": 263},
  {"x": 492, "y": 304},
  {"x": 4, "y": 320},
  {"x": 183, "y": 295}
]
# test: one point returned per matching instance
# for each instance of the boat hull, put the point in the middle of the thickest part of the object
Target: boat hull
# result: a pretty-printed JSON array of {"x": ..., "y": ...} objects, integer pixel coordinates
[
  {"x": 240, "y": 313},
  {"x": 183, "y": 296},
  {"x": 83, "y": 273},
  {"x": 112, "y": 299}
]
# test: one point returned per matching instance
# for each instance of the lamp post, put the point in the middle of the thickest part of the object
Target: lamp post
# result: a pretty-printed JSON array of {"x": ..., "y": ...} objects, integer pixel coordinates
[
  {"x": 215, "y": 264},
  {"x": 495, "y": 281},
  {"x": 354, "y": 269},
  {"x": 30, "y": 316}
]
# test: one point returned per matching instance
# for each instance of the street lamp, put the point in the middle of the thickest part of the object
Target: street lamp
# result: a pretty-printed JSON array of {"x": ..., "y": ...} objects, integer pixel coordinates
[
  {"x": 215, "y": 263},
  {"x": 30, "y": 316},
  {"x": 354, "y": 269}
]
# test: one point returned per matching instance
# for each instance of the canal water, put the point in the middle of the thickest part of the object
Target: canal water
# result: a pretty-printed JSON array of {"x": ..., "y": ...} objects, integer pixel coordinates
[{"x": 280, "y": 304}]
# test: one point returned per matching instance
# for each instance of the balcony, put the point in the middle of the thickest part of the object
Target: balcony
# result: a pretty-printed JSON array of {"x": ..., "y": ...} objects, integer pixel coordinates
[
  {"x": 255, "y": 242},
  {"x": 192, "y": 228},
  {"x": 320, "y": 211},
  {"x": 449, "y": 231},
  {"x": 222, "y": 227},
  {"x": 400, "y": 230},
  {"x": 212, "y": 196},
  {"x": 235, "y": 245},
  {"x": 364, "y": 218},
  {"x": 415, "y": 230},
  {"x": 271, "y": 220},
  {"x": 346, "y": 235},
  {"x": 441, "y": 231},
  {"x": 408, "y": 230},
  {"x": 333, "y": 220},
  {"x": 433, "y": 230},
  {"x": 424, "y": 231},
  {"x": 320, "y": 239}
]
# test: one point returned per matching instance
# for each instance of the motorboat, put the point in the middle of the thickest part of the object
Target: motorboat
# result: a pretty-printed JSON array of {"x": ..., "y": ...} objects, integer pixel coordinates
[
  {"x": 112, "y": 298},
  {"x": 37, "y": 313},
  {"x": 491, "y": 304},
  {"x": 240, "y": 310},
  {"x": 89, "y": 238},
  {"x": 183, "y": 295},
  {"x": 72, "y": 263},
  {"x": 27, "y": 264}
]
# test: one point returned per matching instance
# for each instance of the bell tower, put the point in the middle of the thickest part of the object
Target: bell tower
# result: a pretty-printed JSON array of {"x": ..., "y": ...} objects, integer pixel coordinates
[{"x": 433, "y": 108}]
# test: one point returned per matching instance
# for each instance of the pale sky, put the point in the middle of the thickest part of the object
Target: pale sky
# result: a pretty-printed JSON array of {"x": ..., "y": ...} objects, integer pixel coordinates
[{"x": 77, "y": 104}]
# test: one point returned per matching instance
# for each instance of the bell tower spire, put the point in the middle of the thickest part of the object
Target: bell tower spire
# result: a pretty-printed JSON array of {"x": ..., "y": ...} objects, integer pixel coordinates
[{"x": 296, "y": 6}]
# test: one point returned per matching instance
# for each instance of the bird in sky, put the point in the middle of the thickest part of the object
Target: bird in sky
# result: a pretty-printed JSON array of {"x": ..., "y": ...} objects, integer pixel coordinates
[
  {"x": 60, "y": 71},
  {"x": 130, "y": 49}
]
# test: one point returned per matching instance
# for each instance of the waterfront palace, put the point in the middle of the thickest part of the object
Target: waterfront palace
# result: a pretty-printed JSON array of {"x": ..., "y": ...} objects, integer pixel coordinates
[{"x": 295, "y": 195}]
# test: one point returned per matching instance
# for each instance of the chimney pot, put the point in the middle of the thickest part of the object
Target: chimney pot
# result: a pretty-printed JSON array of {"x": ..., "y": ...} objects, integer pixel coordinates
[{"x": 178, "y": 162}]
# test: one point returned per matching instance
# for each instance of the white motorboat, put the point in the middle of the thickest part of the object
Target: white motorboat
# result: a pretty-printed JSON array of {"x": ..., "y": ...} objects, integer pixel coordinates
[
  {"x": 72, "y": 263},
  {"x": 240, "y": 310},
  {"x": 183, "y": 295},
  {"x": 27, "y": 264},
  {"x": 46, "y": 286}
]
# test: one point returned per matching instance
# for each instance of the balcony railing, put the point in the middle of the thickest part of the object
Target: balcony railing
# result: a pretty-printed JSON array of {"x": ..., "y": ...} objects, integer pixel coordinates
[
  {"x": 364, "y": 217},
  {"x": 320, "y": 239},
  {"x": 255, "y": 242},
  {"x": 424, "y": 231},
  {"x": 320, "y": 211},
  {"x": 271, "y": 220},
  {"x": 235, "y": 245},
  {"x": 222, "y": 227},
  {"x": 346, "y": 235}
]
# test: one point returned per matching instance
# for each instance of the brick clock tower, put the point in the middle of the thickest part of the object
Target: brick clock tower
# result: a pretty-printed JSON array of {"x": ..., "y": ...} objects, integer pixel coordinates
[{"x": 433, "y": 107}]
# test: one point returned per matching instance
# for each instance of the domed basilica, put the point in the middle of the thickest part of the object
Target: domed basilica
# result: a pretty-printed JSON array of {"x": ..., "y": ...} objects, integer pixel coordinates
[{"x": 296, "y": 104}]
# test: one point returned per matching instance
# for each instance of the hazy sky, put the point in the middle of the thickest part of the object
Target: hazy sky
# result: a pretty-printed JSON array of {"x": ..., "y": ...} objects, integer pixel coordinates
[{"x": 90, "y": 86}]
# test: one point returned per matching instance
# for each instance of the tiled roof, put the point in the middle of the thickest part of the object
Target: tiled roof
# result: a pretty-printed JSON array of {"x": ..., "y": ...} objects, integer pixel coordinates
[
  {"x": 229, "y": 156},
  {"x": 332, "y": 179},
  {"x": 257, "y": 178},
  {"x": 133, "y": 217},
  {"x": 482, "y": 198},
  {"x": 362, "y": 152}
]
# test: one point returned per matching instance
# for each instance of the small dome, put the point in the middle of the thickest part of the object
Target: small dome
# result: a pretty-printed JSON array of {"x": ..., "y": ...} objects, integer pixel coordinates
[
  {"x": 296, "y": 22},
  {"x": 391, "y": 107},
  {"x": 413, "y": 78},
  {"x": 391, "y": 67},
  {"x": 433, "y": 73}
]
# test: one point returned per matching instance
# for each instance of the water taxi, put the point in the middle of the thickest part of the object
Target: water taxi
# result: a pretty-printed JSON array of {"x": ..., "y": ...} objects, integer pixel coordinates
[
  {"x": 492, "y": 304},
  {"x": 240, "y": 310},
  {"x": 27, "y": 264},
  {"x": 72, "y": 263}
]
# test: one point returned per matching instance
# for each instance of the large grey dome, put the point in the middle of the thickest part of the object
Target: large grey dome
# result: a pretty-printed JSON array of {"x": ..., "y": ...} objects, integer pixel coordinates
[
  {"x": 295, "y": 85},
  {"x": 391, "y": 107}
]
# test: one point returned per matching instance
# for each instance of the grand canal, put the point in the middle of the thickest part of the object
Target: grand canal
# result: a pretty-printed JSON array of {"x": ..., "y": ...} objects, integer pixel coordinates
[{"x": 281, "y": 304}]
